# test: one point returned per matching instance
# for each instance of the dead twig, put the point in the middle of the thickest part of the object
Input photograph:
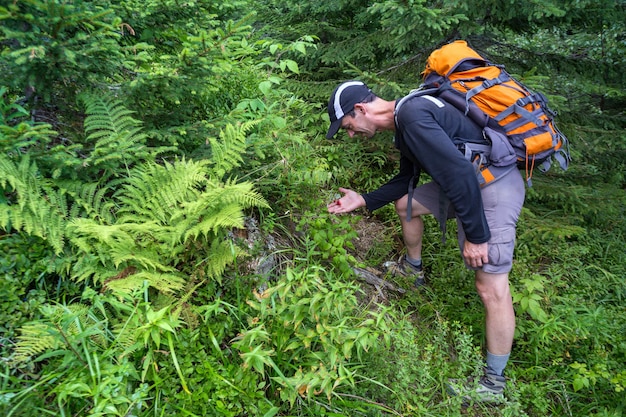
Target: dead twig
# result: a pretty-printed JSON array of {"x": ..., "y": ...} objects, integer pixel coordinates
[{"x": 372, "y": 279}]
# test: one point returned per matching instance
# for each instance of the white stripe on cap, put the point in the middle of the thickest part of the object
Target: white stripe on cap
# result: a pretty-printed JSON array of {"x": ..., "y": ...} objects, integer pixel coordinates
[{"x": 337, "y": 105}]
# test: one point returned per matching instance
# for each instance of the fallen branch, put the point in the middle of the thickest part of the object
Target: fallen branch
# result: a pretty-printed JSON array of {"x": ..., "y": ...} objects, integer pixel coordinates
[{"x": 374, "y": 280}]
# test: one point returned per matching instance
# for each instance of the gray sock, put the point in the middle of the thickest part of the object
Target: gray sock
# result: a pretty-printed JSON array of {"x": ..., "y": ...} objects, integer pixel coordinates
[
  {"x": 417, "y": 263},
  {"x": 496, "y": 363}
]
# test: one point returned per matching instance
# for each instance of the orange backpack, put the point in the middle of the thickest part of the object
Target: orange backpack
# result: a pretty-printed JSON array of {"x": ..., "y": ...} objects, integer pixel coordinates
[{"x": 492, "y": 98}]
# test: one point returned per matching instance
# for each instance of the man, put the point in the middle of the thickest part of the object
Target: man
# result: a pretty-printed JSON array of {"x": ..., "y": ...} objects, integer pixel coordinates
[{"x": 429, "y": 134}]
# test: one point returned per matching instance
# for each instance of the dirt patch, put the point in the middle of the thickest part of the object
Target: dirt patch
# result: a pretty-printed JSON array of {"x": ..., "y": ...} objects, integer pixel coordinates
[{"x": 375, "y": 240}]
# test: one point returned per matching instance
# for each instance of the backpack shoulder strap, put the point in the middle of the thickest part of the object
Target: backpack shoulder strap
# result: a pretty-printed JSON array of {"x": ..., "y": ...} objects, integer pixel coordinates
[{"x": 418, "y": 92}]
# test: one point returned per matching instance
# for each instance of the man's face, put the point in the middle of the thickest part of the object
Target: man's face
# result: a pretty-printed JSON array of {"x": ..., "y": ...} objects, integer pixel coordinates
[{"x": 358, "y": 124}]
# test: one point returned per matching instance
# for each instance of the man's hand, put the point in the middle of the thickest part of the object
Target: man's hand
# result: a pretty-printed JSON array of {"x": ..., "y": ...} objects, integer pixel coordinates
[
  {"x": 351, "y": 200},
  {"x": 476, "y": 254}
]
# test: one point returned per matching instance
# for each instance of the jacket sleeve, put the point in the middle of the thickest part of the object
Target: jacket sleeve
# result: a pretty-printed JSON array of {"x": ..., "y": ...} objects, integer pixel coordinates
[{"x": 433, "y": 148}]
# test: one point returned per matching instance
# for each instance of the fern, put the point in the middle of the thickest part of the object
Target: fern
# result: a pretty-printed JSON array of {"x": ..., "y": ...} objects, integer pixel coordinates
[
  {"x": 163, "y": 211},
  {"x": 90, "y": 200},
  {"x": 219, "y": 255},
  {"x": 224, "y": 202},
  {"x": 61, "y": 326},
  {"x": 154, "y": 192},
  {"x": 227, "y": 154},
  {"x": 118, "y": 139},
  {"x": 40, "y": 206},
  {"x": 33, "y": 205},
  {"x": 34, "y": 339},
  {"x": 165, "y": 283},
  {"x": 110, "y": 248}
]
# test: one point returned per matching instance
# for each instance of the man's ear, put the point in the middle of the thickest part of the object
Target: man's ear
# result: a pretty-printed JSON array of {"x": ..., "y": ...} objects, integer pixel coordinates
[{"x": 360, "y": 108}]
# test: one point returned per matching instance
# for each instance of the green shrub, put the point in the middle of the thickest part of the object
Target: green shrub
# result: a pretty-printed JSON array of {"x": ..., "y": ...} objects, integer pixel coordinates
[
  {"x": 308, "y": 337},
  {"x": 23, "y": 281},
  {"x": 55, "y": 49}
]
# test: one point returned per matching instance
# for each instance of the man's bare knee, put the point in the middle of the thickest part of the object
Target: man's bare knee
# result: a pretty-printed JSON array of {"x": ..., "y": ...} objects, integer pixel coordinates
[
  {"x": 416, "y": 210},
  {"x": 492, "y": 288},
  {"x": 401, "y": 206}
]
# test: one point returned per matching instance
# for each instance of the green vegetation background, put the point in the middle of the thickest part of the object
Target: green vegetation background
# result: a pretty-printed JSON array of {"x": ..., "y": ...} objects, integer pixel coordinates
[{"x": 165, "y": 245}]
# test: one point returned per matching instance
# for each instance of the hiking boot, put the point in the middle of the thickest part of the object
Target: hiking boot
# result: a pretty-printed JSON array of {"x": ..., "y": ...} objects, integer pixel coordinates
[
  {"x": 489, "y": 389},
  {"x": 402, "y": 268}
]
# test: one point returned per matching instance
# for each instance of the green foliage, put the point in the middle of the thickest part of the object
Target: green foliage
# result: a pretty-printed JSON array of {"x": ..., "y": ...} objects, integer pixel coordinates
[
  {"x": 209, "y": 63},
  {"x": 164, "y": 212},
  {"x": 332, "y": 23},
  {"x": 358, "y": 33},
  {"x": 117, "y": 138},
  {"x": 56, "y": 48},
  {"x": 86, "y": 352},
  {"x": 25, "y": 209},
  {"x": 330, "y": 240},
  {"x": 305, "y": 332},
  {"x": 19, "y": 134},
  {"x": 530, "y": 296},
  {"x": 37, "y": 204},
  {"x": 409, "y": 376},
  {"x": 22, "y": 280},
  {"x": 227, "y": 152},
  {"x": 375, "y": 157},
  {"x": 171, "y": 323},
  {"x": 288, "y": 169},
  {"x": 9, "y": 112},
  {"x": 406, "y": 25}
]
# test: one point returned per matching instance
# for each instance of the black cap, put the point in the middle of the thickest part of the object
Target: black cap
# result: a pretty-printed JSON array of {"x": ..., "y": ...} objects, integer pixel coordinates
[{"x": 342, "y": 101}]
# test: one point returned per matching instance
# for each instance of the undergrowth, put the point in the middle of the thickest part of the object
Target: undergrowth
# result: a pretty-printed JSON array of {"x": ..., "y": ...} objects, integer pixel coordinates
[{"x": 132, "y": 282}]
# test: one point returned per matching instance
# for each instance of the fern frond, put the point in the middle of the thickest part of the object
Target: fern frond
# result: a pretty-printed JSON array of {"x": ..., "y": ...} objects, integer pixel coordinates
[
  {"x": 34, "y": 339},
  {"x": 150, "y": 259},
  {"x": 126, "y": 337},
  {"x": 228, "y": 217},
  {"x": 89, "y": 200},
  {"x": 166, "y": 283},
  {"x": 118, "y": 139},
  {"x": 115, "y": 247},
  {"x": 163, "y": 210},
  {"x": 78, "y": 322},
  {"x": 34, "y": 205},
  {"x": 106, "y": 115},
  {"x": 87, "y": 234},
  {"x": 154, "y": 192},
  {"x": 220, "y": 207},
  {"x": 220, "y": 254},
  {"x": 245, "y": 194},
  {"x": 227, "y": 153},
  {"x": 128, "y": 146},
  {"x": 62, "y": 327},
  {"x": 95, "y": 267}
]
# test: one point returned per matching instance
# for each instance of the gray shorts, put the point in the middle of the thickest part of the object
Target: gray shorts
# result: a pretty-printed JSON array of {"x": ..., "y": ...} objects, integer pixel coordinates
[{"x": 502, "y": 201}]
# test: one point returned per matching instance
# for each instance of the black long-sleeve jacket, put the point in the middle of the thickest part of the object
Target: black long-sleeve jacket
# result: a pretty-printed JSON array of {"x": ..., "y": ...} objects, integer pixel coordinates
[{"x": 426, "y": 129}]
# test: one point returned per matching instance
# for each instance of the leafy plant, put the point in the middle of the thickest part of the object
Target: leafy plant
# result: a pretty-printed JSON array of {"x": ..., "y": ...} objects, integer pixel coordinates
[
  {"x": 23, "y": 273},
  {"x": 88, "y": 352},
  {"x": 116, "y": 138},
  {"x": 330, "y": 240},
  {"x": 305, "y": 331},
  {"x": 163, "y": 212},
  {"x": 530, "y": 296},
  {"x": 237, "y": 91},
  {"x": 57, "y": 48},
  {"x": 25, "y": 209}
]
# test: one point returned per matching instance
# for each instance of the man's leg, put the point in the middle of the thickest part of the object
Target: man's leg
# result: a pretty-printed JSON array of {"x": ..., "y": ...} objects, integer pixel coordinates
[
  {"x": 410, "y": 265},
  {"x": 413, "y": 230},
  {"x": 495, "y": 294},
  {"x": 500, "y": 325},
  {"x": 426, "y": 200}
]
